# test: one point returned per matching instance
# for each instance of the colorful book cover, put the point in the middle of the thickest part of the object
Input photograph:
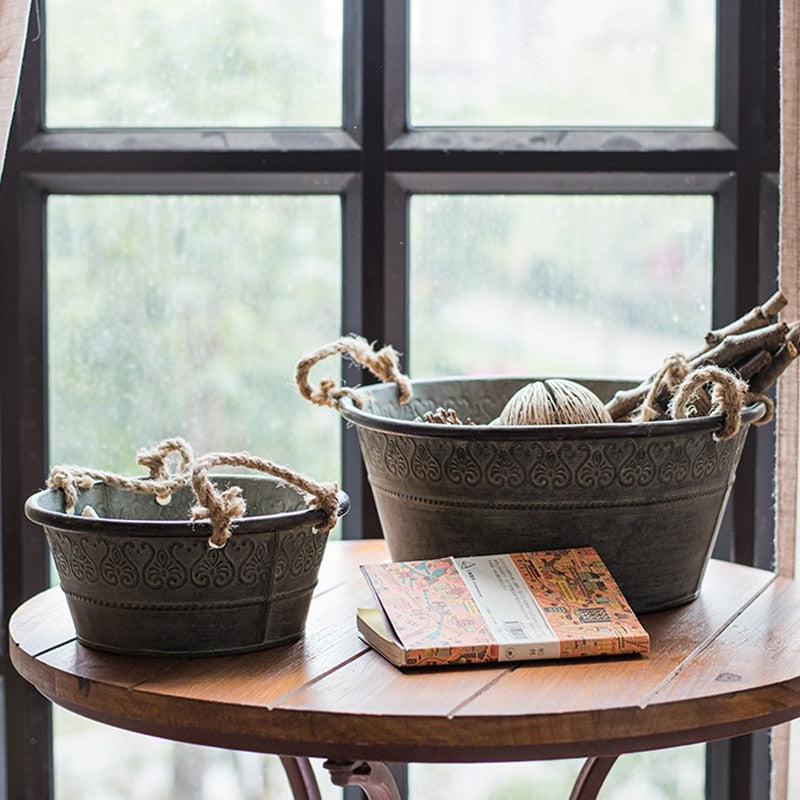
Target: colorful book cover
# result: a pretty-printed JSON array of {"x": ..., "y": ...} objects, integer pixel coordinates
[{"x": 508, "y": 607}]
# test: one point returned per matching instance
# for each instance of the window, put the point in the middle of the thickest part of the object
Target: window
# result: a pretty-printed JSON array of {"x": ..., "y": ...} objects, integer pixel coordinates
[{"x": 199, "y": 193}]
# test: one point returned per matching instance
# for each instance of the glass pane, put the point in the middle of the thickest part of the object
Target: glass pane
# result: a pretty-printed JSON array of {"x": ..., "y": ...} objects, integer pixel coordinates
[
  {"x": 176, "y": 315},
  {"x": 562, "y": 62},
  {"x": 151, "y": 63},
  {"x": 129, "y": 766},
  {"x": 605, "y": 285},
  {"x": 677, "y": 774},
  {"x": 186, "y": 315}
]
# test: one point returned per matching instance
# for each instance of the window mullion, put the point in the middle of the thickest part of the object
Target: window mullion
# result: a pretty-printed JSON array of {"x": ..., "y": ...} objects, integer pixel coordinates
[
  {"x": 364, "y": 224},
  {"x": 23, "y": 417},
  {"x": 27, "y": 736}
]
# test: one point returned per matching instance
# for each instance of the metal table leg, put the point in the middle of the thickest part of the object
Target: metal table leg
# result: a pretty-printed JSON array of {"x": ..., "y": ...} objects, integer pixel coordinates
[
  {"x": 377, "y": 782},
  {"x": 301, "y": 778},
  {"x": 591, "y": 777},
  {"x": 373, "y": 777}
]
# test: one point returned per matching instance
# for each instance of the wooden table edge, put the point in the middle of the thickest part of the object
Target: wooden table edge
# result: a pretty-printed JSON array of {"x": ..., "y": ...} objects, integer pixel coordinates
[{"x": 296, "y": 732}]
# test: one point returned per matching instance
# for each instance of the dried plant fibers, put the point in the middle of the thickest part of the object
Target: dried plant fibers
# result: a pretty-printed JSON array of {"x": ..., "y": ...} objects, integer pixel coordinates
[{"x": 556, "y": 401}]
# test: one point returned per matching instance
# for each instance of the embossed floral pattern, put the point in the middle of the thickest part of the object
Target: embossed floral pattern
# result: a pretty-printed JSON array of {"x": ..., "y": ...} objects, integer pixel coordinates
[
  {"x": 504, "y": 467},
  {"x": 116, "y": 569},
  {"x": 595, "y": 469},
  {"x": 638, "y": 467},
  {"x": 163, "y": 570},
  {"x": 396, "y": 461},
  {"x": 462, "y": 466},
  {"x": 160, "y": 565},
  {"x": 547, "y": 469},
  {"x": 423, "y": 463}
]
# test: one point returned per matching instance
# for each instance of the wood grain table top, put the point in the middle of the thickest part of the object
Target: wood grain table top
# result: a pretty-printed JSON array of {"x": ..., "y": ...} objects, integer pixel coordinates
[{"x": 726, "y": 664}]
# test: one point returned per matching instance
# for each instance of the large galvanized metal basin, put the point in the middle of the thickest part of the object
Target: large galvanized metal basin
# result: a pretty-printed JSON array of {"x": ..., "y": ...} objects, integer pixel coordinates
[
  {"x": 649, "y": 496},
  {"x": 140, "y": 578}
]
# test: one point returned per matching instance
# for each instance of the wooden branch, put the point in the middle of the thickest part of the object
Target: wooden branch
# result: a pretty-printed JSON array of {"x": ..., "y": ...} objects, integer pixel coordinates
[
  {"x": 750, "y": 366},
  {"x": 757, "y": 317},
  {"x": 785, "y": 356},
  {"x": 733, "y": 348},
  {"x": 624, "y": 402},
  {"x": 736, "y": 346},
  {"x": 741, "y": 341}
]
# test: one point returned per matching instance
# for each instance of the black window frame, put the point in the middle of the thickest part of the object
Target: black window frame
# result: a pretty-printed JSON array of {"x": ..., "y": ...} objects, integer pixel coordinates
[{"x": 375, "y": 162}]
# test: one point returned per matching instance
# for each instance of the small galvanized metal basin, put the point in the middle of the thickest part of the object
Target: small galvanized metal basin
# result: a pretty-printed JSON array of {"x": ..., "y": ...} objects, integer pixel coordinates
[
  {"x": 140, "y": 578},
  {"x": 648, "y": 496}
]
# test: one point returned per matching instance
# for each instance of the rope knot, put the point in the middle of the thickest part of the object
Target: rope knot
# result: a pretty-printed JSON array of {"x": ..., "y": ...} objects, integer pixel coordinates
[
  {"x": 221, "y": 508},
  {"x": 69, "y": 480},
  {"x": 330, "y": 394},
  {"x": 155, "y": 460},
  {"x": 727, "y": 397},
  {"x": 386, "y": 366}
]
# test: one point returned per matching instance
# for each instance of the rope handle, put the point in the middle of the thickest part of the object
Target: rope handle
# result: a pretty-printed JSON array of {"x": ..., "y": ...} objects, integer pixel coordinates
[
  {"x": 729, "y": 395},
  {"x": 219, "y": 507},
  {"x": 162, "y": 483},
  {"x": 222, "y": 507},
  {"x": 383, "y": 364}
]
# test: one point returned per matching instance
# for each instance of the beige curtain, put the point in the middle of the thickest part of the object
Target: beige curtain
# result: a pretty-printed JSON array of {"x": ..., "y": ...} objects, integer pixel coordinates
[
  {"x": 789, "y": 281},
  {"x": 13, "y": 27},
  {"x": 786, "y": 739}
]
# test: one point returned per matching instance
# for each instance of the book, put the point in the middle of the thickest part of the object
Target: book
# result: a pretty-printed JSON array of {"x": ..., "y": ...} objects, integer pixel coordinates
[{"x": 508, "y": 607}]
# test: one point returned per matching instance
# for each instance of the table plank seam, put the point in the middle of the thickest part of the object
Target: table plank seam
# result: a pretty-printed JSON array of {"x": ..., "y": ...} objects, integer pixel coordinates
[
  {"x": 317, "y": 678},
  {"x": 332, "y": 587},
  {"x": 49, "y": 649},
  {"x": 166, "y": 667},
  {"x": 697, "y": 651},
  {"x": 467, "y": 700}
]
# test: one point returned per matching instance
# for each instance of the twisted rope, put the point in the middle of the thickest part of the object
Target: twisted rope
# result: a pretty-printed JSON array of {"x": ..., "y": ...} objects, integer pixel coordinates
[
  {"x": 769, "y": 405},
  {"x": 70, "y": 479},
  {"x": 383, "y": 364},
  {"x": 156, "y": 459},
  {"x": 162, "y": 483},
  {"x": 223, "y": 507},
  {"x": 728, "y": 397},
  {"x": 220, "y": 507},
  {"x": 674, "y": 369}
]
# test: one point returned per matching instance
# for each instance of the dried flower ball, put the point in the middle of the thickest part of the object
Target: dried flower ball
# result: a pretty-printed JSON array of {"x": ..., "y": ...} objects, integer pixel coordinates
[{"x": 556, "y": 401}]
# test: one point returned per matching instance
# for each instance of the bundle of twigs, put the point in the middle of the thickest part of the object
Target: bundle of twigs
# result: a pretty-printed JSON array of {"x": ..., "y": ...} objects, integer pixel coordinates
[{"x": 755, "y": 347}]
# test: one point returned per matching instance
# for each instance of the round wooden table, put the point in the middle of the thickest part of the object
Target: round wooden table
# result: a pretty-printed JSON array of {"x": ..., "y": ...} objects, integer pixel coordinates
[{"x": 724, "y": 665}]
